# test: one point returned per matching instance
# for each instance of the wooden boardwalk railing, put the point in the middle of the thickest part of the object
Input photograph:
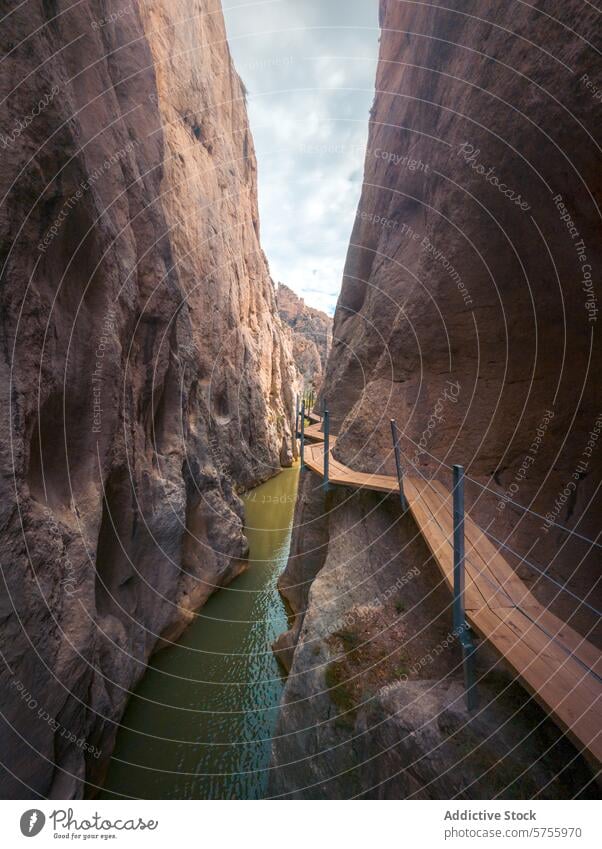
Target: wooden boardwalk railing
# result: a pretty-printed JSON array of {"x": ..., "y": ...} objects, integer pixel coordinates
[{"x": 557, "y": 665}]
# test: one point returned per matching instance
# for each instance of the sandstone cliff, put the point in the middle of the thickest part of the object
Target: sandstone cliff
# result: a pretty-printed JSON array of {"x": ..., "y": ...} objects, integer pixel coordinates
[
  {"x": 469, "y": 314},
  {"x": 146, "y": 376},
  {"x": 312, "y": 334}
]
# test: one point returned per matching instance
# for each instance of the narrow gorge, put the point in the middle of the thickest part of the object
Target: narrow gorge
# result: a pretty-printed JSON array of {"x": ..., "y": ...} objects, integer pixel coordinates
[
  {"x": 147, "y": 379},
  {"x": 249, "y": 549},
  {"x": 468, "y": 315}
]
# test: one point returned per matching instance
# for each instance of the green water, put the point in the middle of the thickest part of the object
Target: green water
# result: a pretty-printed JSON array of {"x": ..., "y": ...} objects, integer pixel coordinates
[{"x": 200, "y": 723}]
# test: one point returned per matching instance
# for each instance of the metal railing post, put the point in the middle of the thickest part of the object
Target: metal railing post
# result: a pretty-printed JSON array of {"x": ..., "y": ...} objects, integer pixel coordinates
[
  {"x": 459, "y": 617},
  {"x": 302, "y": 449},
  {"x": 297, "y": 434},
  {"x": 395, "y": 434},
  {"x": 459, "y": 614},
  {"x": 470, "y": 673},
  {"x": 326, "y": 446}
]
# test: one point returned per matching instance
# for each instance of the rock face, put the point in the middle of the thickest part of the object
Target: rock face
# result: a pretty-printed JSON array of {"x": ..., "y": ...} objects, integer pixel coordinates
[
  {"x": 146, "y": 376},
  {"x": 468, "y": 314},
  {"x": 374, "y": 702},
  {"x": 312, "y": 334}
]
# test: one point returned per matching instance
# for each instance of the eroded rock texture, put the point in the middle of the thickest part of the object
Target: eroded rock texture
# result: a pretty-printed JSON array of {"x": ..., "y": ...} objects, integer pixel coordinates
[
  {"x": 312, "y": 334},
  {"x": 374, "y": 701},
  {"x": 469, "y": 313},
  {"x": 146, "y": 376},
  {"x": 462, "y": 315}
]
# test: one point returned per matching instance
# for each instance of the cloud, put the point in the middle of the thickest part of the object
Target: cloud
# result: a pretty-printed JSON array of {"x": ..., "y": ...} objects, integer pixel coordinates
[{"x": 309, "y": 68}]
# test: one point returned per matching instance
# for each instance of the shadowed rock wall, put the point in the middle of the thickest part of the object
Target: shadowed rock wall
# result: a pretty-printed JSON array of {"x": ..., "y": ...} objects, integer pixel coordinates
[
  {"x": 146, "y": 377},
  {"x": 469, "y": 312}
]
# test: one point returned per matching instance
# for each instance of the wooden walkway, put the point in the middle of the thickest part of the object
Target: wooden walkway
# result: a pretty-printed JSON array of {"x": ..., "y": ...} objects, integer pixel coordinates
[
  {"x": 314, "y": 432},
  {"x": 557, "y": 665}
]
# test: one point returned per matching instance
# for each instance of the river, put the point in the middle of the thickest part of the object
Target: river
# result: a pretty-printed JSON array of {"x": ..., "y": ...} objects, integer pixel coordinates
[{"x": 199, "y": 725}]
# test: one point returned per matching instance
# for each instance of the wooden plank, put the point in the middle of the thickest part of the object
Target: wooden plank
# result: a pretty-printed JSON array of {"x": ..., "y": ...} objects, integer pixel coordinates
[
  {"x": 481, "y": 546},
  {"x": 560, "y": 685},
  {"x": 552, "y": 671},
  {"x": 486, "y": 558},
  {"x": 551, "y": 659},
  {"x": 489, "y": 590},
  {"x": 314, "y": 432},
  {"x": 559, "y": 660},
  {"x": 579, "y": 645},
  {"x": 441, "y": 546},
  {"x": 314, "y": 458}
]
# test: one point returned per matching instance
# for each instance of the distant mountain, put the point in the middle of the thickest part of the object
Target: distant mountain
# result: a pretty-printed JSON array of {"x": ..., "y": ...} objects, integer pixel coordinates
[{"x": 312, "y": 332}]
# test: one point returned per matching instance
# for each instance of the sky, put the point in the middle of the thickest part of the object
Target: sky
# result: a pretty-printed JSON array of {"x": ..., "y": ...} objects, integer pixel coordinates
[{"x": 309, "y": 68}]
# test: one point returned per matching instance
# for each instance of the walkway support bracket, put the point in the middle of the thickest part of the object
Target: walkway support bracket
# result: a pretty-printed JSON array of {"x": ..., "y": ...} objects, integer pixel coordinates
[
  {"x": 461, "y": 628},
  {"x": 395, "y": 434},
  {"x": 302, "y": 436},
  {"x": 469, "y": 652},
  {"x": 458, "y": 489},
  {"x": 326, "y": 421}
]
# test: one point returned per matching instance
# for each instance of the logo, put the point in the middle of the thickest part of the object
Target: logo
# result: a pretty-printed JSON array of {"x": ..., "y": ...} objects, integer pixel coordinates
[{"x": 32, "y": 822}]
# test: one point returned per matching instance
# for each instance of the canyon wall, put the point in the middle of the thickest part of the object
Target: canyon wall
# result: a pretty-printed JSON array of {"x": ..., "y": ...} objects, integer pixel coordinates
[
  {"x": 146, "y": 377},
  {"x": 468, "y": 313},
  {"x": 312, "y": 334}
]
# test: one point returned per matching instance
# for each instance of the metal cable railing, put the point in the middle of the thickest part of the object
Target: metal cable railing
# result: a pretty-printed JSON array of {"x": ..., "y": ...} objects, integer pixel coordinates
[
  {"x": 483, "y": 486},
  {"x": 513, "y": 602},
  {"x": 544, "y": 574},
  {"x": 459, "y": 558},
  {"x": 523, "y": 559}
]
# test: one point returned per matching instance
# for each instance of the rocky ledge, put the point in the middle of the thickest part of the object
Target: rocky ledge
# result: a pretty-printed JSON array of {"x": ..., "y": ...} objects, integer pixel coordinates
[
  {"x": 146, "y": 377},
  {"x": 468, "y": 313},
  {"x": 374, "y": 702}
]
